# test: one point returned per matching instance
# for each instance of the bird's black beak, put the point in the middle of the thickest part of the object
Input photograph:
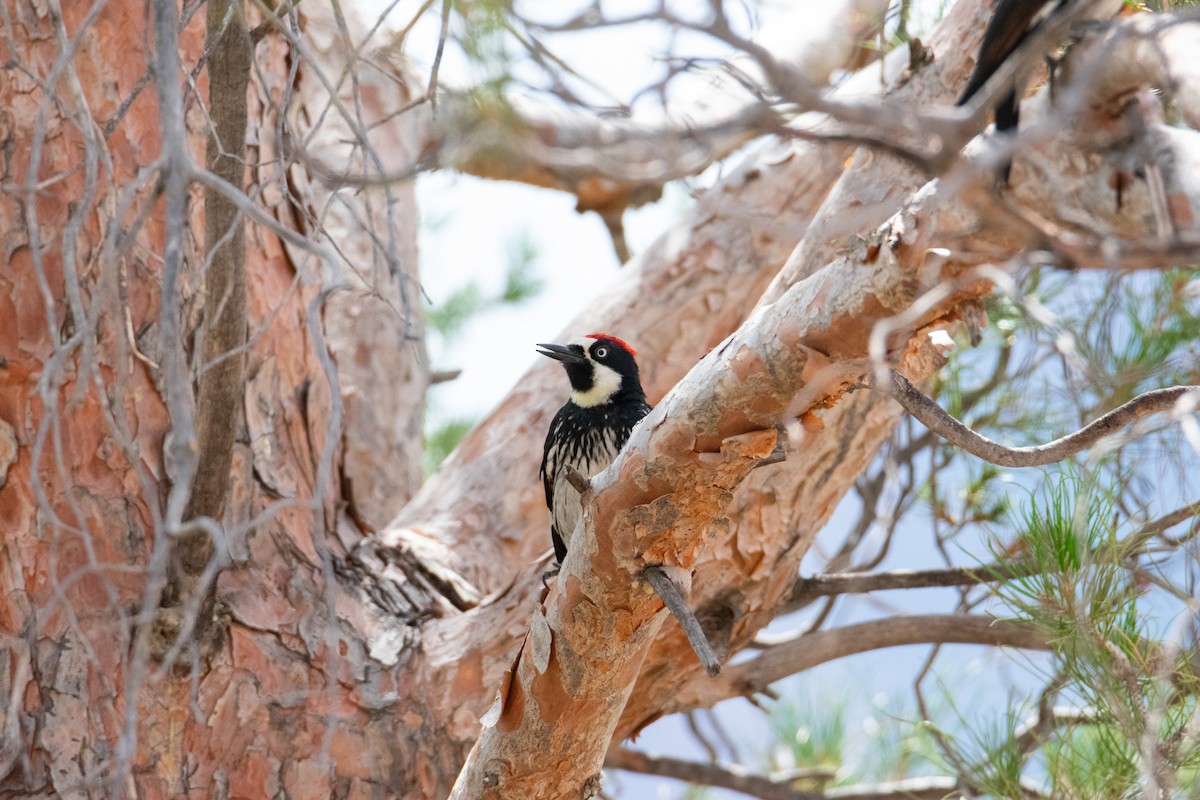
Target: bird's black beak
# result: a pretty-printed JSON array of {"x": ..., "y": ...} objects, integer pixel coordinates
[{"x": 562, "y": 352}]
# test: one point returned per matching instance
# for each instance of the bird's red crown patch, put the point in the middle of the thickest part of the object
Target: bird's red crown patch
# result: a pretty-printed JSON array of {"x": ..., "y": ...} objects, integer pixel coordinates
[{"x": 618, "y": 342}]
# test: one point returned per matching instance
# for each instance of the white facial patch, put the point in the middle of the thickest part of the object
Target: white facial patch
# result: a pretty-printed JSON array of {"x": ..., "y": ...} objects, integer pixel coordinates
[{"x": 606, "y": 381}]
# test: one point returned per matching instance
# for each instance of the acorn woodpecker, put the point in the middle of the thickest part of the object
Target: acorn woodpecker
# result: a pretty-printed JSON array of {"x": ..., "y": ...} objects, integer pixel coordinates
[{"x": 606, "y": 401}]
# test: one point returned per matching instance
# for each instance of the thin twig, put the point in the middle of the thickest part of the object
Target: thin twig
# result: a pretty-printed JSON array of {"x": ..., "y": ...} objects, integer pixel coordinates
[
  {"x": 1164, "y": 523},
  {"x": 431, "y": 91},
  {"x": 669, "y": 592},
  {"x": 1032, "y": 735},
  {"x": 698, "y": 735}
]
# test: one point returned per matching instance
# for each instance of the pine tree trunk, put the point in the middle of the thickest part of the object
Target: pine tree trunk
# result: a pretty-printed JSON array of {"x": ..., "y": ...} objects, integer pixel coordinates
[{"x": 84, "y": 416}]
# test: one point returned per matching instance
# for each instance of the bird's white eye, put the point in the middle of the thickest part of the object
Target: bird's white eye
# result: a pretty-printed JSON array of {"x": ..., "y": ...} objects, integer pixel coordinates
[{"x": 601, "y": 352}]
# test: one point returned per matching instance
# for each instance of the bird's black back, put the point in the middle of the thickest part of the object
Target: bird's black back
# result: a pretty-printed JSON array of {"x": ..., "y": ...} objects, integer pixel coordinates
[{"x": 588, "y": 439}]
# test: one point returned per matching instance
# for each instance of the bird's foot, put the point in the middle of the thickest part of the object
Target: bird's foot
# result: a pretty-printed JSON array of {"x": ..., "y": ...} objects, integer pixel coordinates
[{"x": 550, "y": 574}]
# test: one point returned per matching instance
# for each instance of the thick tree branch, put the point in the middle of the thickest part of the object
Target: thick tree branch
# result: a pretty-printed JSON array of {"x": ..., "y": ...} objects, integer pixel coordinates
[
  {"x": 627, "y": 162},
  {"x": 761, "y": 208},
  {"x": 806, "y": 652},
  {"x": 783, "y": 786},
  {"x": 659, "y": 501},
  {"x": 607, "y": 164},
  {"x": 940, "y": 422}
]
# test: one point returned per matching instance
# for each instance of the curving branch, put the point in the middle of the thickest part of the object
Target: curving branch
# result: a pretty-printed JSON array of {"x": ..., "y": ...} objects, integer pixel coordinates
[
  {"x": 1160, "y": 526},
  {"x": 807, "y": 651},
  {"x": 1038, "y": 729},
  {"x": 782, "y": 786},
  {"x": 628, "y": 160},
  {"x": 940, "y": 422},
  {"x": 666, "y": 497}
]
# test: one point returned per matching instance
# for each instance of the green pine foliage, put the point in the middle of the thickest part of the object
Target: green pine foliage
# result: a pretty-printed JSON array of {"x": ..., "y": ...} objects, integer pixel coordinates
[
  {"x": 814, "y": 733},
  {"x": 822, "y": 730}
]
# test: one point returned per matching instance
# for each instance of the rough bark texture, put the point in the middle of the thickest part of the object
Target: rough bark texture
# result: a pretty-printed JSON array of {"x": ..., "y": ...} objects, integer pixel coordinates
[
  {"x": 84, "y": 417},
  {"x": 361, "y": 666},
  {"x": 373, "y": 318}
]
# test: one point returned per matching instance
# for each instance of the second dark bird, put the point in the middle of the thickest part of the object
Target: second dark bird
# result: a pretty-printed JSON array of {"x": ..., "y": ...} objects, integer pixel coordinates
[
  {"x": 1011, "y": 24},
  {"x": 588, "y": 432}
]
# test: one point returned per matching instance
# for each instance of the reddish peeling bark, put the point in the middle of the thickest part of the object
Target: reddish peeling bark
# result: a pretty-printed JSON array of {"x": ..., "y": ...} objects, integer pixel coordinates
[{"x": 81, "y": 404}]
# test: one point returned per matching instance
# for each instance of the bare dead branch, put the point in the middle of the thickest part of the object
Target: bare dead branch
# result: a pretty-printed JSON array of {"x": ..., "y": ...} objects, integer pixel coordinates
[
  {"x": 931, "y": 788},
  {"x": 274, "y": 19},
  {"x": 669, "y": 592},
  {"x": 175, "y": 171},
  {"x": 805, "y": 590},
  {"x": 628, "y": 164},
  {"x": 1037, "y": 730},
  {"x": 1167, "y": 521},
  {"x": 614, "y": 222},
  {"x": 432, "y": 90},
  {"x": 693, "y": 725},
  {"x": 937, "y": 420},
  {"x": 951, "y": 755}
]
